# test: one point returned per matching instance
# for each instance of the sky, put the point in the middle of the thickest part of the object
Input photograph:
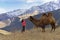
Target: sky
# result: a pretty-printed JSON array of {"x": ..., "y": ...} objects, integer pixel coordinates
[{"x": 10, "y": 5}]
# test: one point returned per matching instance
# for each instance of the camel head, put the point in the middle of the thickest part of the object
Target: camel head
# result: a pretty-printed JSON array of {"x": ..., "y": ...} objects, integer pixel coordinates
[{"x": 30, "y": 18}]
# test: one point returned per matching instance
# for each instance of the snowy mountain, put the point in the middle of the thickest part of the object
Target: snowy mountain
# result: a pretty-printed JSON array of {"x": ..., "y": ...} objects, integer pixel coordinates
[
  {"x": 4, "y": 17},
  {"x": 15, "y": 12},
  {"x": 10, "y": 15},
  {"x": 49, "y": 6}
]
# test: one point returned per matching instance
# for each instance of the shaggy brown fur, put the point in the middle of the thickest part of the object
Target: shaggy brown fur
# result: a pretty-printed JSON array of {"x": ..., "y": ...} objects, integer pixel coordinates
[{"x": 44, "y": 20}]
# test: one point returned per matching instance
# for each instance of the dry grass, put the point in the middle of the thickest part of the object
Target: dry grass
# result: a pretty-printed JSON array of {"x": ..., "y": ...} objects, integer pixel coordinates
[{"x": 33, "y": 34}]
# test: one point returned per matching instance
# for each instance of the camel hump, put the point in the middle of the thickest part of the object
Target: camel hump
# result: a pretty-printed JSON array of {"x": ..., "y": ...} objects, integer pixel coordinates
[
  {"x": 44, "y": 14},
  {"x": 43, "y": 18},
  {"x": 50, "y": 14}
]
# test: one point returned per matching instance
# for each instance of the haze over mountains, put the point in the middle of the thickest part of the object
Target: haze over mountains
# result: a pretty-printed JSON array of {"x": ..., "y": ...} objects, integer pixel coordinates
[
  {"x": 25, "y": 13},
  {"x": 49, "y": 6}
]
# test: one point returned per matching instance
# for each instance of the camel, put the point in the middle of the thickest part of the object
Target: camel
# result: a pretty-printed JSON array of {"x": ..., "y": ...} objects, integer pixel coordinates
[{"x": 44, "y": 20}]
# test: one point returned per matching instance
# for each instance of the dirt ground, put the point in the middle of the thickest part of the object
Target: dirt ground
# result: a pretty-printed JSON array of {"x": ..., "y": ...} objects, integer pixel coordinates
[{"x": 33, "y": 34}]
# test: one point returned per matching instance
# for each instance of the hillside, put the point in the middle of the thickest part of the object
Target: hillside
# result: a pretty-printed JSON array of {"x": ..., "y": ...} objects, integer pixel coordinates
[
  {"x": 16, "y": 15},
  {"x": 33, "y": 34},
  {"x": 16, "y": 24}
]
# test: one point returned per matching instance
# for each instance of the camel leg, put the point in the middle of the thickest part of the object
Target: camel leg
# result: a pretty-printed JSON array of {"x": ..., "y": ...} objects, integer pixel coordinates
[
  {"x": 43, "y": 28},
  {"x": 53, "y": 27}
]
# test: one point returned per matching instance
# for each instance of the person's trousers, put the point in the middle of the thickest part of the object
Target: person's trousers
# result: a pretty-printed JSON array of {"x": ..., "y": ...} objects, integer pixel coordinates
[{"x": 23, "y": 28}]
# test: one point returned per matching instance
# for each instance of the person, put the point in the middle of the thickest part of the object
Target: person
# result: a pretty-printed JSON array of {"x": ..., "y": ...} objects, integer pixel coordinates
[{"x": 23, "y": 25}]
